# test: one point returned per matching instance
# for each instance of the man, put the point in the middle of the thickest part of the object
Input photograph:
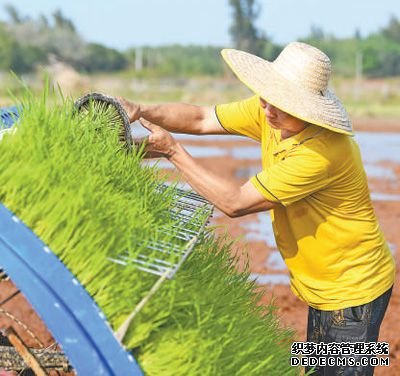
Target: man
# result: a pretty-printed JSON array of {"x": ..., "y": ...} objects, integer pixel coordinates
[{"x": 312, "y": 181}]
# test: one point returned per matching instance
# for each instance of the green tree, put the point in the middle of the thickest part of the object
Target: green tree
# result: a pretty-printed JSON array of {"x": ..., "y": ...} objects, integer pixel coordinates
[
  {"x": 381, "y": 51},
  {"x": 392, "y": 30},
  {"x": 381, "y": 56},
  {"x": 6, "y": 47},
  {"x": 243, "y": 30},
  {"x": 24, "y": 59},
  {"x": 101, "y": 58},
  {"x": 13, "y": 13},
  {"x": 317, "y": 33},
  {"x": 63, "y": 22},
  {"x": 179, "y": 61}
]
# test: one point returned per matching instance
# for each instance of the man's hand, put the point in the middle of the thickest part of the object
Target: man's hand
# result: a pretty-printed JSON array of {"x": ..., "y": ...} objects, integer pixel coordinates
[
  {"x": 159, "y": 143},
  {"x": 132, "y": 109}
]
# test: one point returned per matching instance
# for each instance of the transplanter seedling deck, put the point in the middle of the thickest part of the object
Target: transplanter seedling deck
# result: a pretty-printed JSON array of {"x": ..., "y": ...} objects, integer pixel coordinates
[
  {"x": 77, "y": 324},
  {"x": 69, "y": 312}
]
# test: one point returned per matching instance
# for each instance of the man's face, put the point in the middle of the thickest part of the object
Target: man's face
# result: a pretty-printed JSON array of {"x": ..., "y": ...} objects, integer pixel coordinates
[{"x": 277, "y": 118}]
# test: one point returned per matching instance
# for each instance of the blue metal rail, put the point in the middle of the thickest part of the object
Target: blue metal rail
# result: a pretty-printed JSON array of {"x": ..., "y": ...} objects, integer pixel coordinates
[
  {"x": 8, "y": 116},
  {"x": 71, "y": 315}
]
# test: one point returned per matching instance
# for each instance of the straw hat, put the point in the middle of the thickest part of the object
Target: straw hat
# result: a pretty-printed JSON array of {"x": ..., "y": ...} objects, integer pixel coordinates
[{"x": 295, "y": 82}]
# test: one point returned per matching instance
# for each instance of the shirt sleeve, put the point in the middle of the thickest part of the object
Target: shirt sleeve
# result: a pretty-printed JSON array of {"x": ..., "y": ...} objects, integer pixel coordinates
[
  {"x": 297, "y": 176},
  {"x": 242, "y": 118}
]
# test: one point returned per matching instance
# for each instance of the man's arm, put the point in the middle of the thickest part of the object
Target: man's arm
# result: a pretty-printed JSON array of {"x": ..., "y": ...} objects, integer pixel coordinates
[
  {"x": 176, "y": 117},
  {"x": 229, "y": 197},
  {"x": 232, "y": 199}
]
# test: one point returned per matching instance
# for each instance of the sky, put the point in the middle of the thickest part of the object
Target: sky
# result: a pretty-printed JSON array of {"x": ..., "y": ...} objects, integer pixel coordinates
[{"x": 127, "y": 23}]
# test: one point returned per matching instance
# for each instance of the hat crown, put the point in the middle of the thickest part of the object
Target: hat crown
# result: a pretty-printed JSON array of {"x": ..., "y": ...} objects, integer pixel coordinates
[{"x": 305, "y": 66}]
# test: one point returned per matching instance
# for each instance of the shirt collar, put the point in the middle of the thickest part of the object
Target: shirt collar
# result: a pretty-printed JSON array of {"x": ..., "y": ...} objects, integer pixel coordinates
[{"x": 307, "y": 133}]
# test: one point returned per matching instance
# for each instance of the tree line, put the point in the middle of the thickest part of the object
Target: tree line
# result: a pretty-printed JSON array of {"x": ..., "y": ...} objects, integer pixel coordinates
[{"x": 26, "y": 43}]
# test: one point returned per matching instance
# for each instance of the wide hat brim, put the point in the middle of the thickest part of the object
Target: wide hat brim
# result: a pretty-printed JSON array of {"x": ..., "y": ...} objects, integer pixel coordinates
[{"x": 260, "y": 76}]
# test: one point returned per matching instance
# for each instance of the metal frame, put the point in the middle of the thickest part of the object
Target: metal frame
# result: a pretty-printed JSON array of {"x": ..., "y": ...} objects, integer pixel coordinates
[
  {"x": 165, "y": 258},
  {"x": 8, "y": 116}
]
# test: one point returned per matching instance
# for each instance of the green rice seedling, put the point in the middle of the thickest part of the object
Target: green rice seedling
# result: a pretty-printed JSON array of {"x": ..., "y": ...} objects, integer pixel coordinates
[
  {"x": 220, "y": 330},
  {"x": 95, "y": 105},
  {"x": 70, "y": 181}
]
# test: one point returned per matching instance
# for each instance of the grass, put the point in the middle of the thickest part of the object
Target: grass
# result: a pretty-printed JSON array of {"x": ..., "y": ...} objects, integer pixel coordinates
[
  {"x": 374, "y": 98},
  {"x": 71, "y": 182}
]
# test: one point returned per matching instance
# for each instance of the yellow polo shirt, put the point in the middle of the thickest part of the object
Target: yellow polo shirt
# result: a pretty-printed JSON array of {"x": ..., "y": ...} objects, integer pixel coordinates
[{"x": 325, "y": 227}]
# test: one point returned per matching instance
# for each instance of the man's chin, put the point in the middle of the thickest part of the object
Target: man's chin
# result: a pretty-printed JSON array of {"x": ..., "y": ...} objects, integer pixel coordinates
[{"x": 273, "y": 125}]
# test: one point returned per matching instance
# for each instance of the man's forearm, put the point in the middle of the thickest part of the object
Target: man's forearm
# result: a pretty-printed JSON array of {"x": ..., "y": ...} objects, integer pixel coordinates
[
  {"x": 175, "y": 117},
  {"x": 227, "y": 196},
  {"x": 214, "y": 188}
]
